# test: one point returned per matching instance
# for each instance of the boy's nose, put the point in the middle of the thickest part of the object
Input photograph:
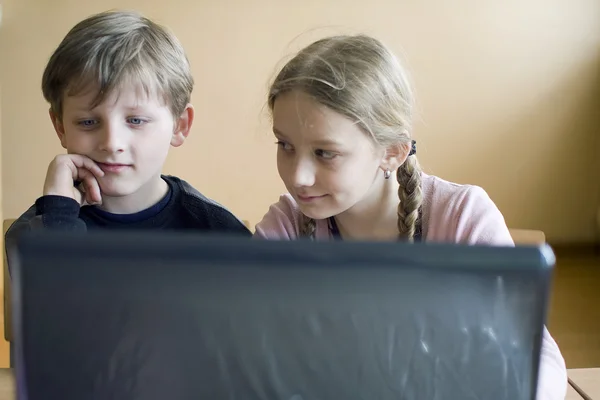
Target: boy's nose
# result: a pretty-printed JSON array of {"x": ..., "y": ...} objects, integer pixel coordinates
[{"x": 113, "y": 140}]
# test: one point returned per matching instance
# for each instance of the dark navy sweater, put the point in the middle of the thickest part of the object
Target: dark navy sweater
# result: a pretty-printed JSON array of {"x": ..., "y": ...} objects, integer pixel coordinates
[{"x": 183, "y": 208}]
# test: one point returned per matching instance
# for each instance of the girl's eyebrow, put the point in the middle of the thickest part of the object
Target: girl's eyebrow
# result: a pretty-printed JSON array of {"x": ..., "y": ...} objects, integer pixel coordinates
[
  {"x": 326, "y": 142},
  {"x": 320, "y": 142},
  {"x": 277, "y": 132}
]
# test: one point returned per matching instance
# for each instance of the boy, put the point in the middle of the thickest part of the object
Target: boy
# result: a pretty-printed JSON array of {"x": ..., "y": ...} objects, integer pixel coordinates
[{"x": 119, "y": 87}]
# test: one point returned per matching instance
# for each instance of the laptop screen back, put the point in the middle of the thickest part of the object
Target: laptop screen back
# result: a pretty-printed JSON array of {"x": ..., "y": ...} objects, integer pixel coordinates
[{"x": 185, "y": 317}]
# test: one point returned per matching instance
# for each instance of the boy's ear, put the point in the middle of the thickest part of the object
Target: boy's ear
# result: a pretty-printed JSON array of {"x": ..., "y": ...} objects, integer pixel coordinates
[
  {"x": 59, "y": 128},
  {"x": 183, "y": 126},
  {"x": 395, "y": 156}
]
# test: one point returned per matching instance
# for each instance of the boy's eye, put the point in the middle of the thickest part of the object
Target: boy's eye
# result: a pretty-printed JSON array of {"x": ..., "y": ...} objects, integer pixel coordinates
[
  {"x": 283, "y": 145},
  {"x": 87, "y": 123},
  {"x": 327, "y": 155},
  {"x": 135, "y": 121}
]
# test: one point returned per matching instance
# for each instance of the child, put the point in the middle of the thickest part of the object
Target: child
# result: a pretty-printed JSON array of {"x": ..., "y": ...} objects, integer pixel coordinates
[
  {"x": 119, "y": 87},
  {"x": 342, "y": 111}
]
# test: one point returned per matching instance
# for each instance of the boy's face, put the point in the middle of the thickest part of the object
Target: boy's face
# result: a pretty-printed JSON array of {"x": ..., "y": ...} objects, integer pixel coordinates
[{"x": 128, "y": 135}]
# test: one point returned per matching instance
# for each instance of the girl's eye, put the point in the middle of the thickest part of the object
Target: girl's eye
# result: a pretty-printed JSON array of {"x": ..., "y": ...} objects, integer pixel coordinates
[
  {"x": 284, "y": 146},
  {"x": 326, "y": 155}
]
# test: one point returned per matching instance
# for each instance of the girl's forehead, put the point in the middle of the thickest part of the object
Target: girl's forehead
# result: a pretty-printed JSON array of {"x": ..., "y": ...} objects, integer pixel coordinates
[{"x": 298, "y": 115}]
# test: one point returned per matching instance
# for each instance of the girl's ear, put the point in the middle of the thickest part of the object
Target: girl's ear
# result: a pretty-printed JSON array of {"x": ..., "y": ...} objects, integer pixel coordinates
[
  {"x": 395, "y": 156},
  {"x": 183, "y": 126}
]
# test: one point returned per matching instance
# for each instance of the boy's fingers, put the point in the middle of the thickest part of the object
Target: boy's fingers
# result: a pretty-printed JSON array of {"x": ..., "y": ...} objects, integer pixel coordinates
[
  {"x": 87, "y": 163},
  {"x": 91, "y": 186},
  {"x": 91, "y": 201}
]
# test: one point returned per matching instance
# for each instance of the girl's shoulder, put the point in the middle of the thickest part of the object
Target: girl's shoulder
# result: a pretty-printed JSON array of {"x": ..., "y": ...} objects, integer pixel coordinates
[
  {"x": 282, "y": 221},
  {"x": 461, "y": 213}
]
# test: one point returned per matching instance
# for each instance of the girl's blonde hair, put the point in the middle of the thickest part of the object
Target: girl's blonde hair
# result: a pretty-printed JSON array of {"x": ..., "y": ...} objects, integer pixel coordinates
[{"x": 357, "y": 76}]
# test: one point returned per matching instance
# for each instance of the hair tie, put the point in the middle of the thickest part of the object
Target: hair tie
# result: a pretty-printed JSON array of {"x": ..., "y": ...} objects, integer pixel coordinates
[{"x": 413, "y": 148}]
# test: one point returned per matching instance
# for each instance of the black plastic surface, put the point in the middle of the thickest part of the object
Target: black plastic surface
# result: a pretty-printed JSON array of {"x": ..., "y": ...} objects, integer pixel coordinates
[{"x": 172, "y": 316}]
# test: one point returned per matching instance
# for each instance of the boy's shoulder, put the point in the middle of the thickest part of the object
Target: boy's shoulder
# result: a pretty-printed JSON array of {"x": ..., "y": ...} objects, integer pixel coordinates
[
  {"x": 63, "y": 215},
  {"x": 22, "y": 222},
  {"x": 206, "y": 211}
]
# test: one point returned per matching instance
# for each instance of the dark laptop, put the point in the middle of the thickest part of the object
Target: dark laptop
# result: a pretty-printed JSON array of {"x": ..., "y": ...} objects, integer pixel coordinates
[{"x": 164, "y": 315}]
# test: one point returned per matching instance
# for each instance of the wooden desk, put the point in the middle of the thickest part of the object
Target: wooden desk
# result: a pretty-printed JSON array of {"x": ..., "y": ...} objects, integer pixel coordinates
[
  {"x": 586, "y": 380},
  {"x": 571, "y": 394},
  {"x": 7, "y": 384}
]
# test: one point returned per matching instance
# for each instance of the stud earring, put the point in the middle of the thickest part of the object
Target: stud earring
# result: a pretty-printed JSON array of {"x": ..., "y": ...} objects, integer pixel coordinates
[{"x": 387, "y": 173}]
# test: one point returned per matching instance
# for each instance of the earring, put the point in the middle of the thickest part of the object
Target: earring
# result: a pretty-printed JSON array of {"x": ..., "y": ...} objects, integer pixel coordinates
[{"x": 387, "y": 173}]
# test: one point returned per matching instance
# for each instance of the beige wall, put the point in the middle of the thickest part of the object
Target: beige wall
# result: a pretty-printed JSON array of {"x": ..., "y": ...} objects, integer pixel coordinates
[
  {"x": 2, "y": 51},
  {"x": 508, "y": 93},
  {"x": 1, "y": 203}
]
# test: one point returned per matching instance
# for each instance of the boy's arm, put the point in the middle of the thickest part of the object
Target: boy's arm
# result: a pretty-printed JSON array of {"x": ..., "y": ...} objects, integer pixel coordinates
[
  {"x": 49, "y": 212},
  {"x": 58, "y": 208},
  {"x": 57, "y": 213}
]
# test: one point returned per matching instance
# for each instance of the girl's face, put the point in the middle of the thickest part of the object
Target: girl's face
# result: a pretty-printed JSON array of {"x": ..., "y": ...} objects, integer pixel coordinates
[{"x": 328, "y": 164}]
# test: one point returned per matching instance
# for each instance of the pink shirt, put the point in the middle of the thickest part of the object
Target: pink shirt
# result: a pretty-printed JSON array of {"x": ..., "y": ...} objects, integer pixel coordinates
[{"x": 451, "y": 213}]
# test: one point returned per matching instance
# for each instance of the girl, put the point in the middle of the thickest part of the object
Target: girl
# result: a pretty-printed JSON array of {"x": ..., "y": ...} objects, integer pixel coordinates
[{"x": 342, "y": 110}]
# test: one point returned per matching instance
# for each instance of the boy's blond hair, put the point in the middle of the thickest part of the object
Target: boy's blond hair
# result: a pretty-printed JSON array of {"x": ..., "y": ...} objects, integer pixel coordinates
[{"x": 109, "y": 49}]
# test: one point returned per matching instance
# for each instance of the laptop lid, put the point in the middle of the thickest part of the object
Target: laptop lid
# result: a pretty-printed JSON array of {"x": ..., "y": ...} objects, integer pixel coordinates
[{"x": 123, "y": 315}]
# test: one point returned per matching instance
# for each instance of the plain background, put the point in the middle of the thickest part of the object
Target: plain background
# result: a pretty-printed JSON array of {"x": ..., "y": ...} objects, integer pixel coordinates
[{"x": 508, "y": 95}]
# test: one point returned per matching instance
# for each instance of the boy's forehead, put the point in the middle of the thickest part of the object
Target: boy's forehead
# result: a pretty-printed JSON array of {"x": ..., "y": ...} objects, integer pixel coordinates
[{"x": 127, "y": 94}]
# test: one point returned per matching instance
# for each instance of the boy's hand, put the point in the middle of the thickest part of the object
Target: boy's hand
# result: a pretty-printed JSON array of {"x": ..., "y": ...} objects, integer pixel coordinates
[{"x": 65, "y": 169}]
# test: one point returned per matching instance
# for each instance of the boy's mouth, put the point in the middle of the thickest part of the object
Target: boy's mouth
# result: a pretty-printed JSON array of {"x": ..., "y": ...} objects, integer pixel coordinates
[{"x": 113, "y": 167}]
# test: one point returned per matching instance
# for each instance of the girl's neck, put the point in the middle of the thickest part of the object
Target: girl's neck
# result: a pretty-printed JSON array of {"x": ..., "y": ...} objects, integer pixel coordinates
[{"x": 375, "y": 217}]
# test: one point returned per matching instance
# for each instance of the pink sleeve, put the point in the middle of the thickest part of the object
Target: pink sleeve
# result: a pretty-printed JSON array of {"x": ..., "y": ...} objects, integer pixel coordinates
[
  {"x": 481, "y": 222},
  {"x": 552, "y": 383},
  {"x": 280, "y": 222}
]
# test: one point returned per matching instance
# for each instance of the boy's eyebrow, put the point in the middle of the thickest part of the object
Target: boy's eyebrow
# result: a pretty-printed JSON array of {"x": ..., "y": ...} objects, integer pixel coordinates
[
  {"x": 135, "y": 108},
  {"x": 83, "y": 109}
]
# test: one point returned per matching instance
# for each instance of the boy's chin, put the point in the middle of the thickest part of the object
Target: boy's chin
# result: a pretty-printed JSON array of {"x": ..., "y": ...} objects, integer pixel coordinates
[
  {"x": 125, "y": 186},
  {"x": 119, "y": 189}
]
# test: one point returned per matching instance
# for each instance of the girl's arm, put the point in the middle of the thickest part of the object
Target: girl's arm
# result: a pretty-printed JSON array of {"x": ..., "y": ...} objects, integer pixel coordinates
[{"x": 479, "y": 221}]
